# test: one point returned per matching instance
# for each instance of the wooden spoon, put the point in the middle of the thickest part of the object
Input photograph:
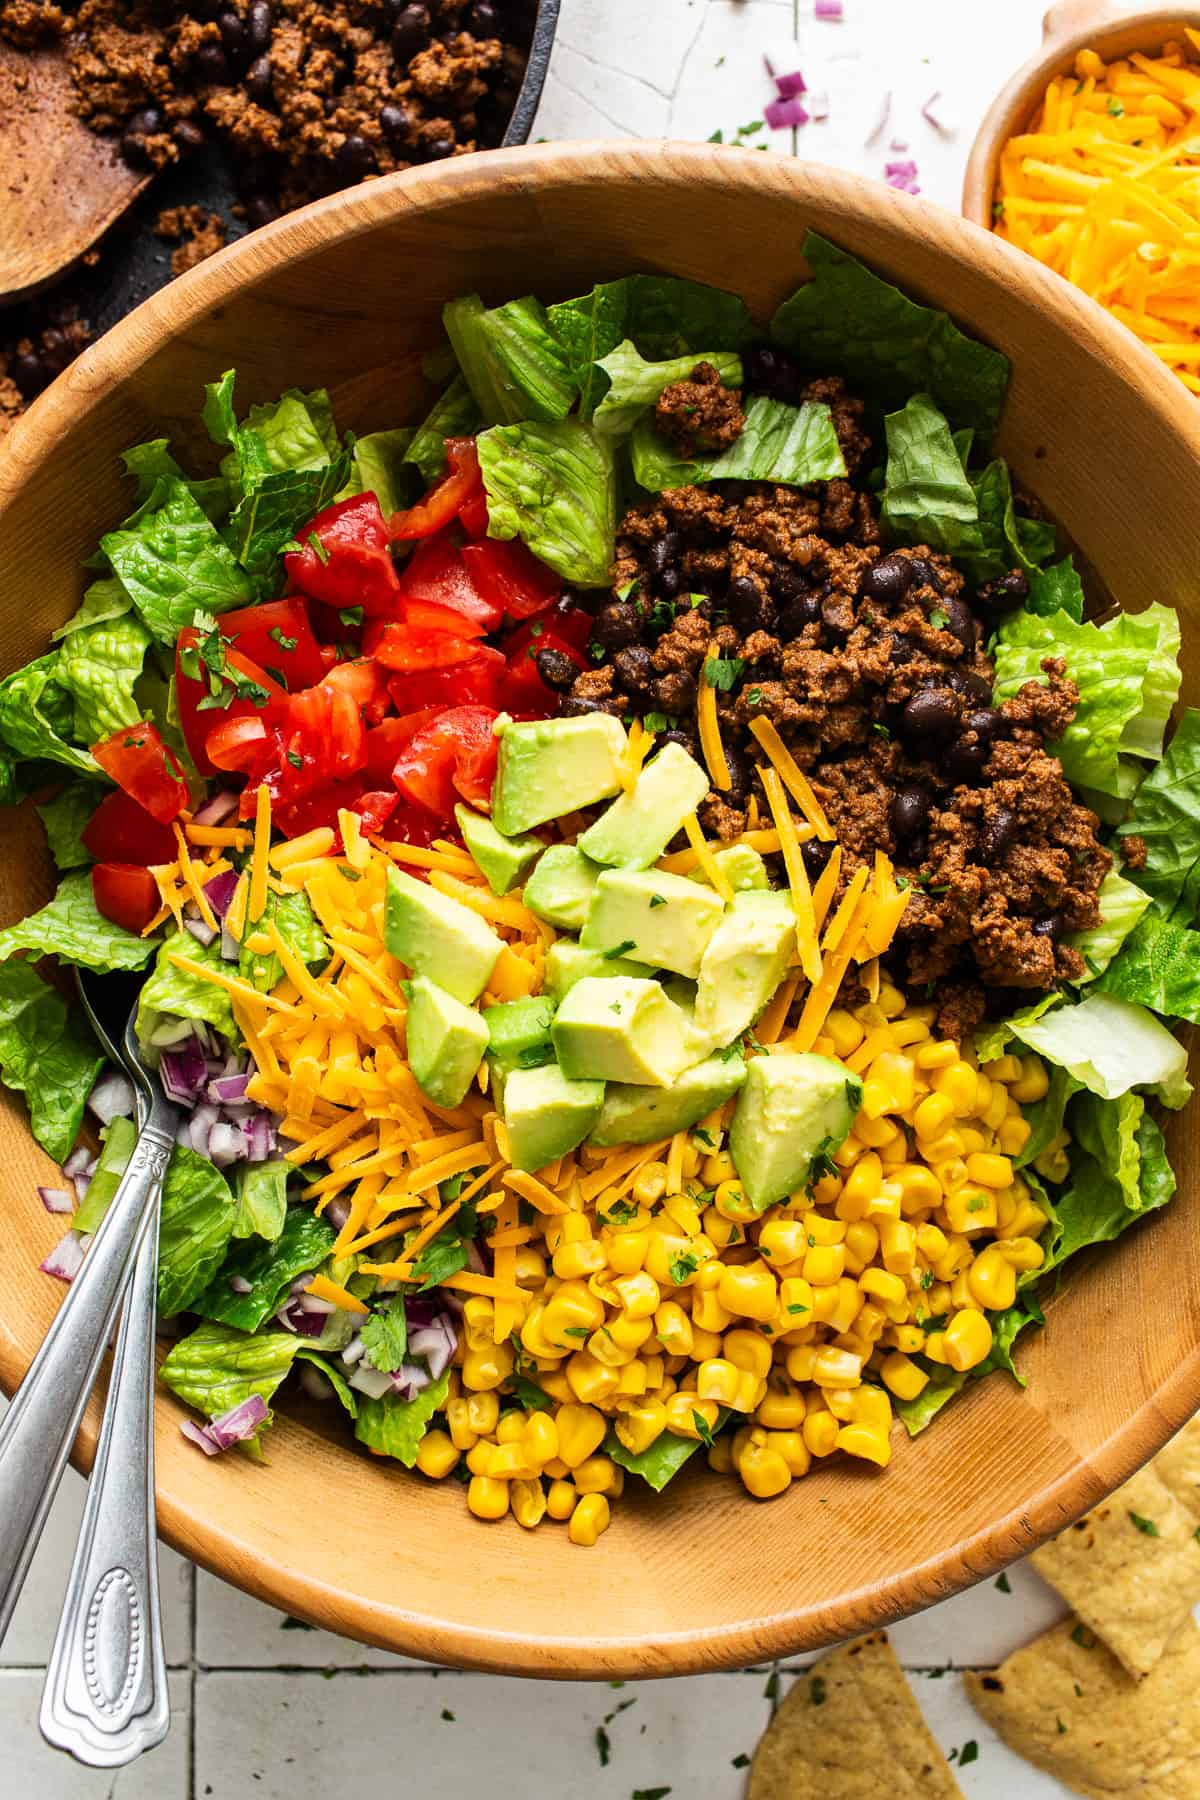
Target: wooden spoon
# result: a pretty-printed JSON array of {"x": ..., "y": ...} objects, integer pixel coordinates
[{"x": 62, "y": 185}]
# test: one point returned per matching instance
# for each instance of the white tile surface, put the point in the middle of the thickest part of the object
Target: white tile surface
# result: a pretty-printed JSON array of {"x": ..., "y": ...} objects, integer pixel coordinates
[{"x": 291, "y": 1714}]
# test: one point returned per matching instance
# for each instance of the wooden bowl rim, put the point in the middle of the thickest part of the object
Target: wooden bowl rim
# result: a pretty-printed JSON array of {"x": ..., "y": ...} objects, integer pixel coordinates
[
  {"x": 185, "y": 1521},
  {"x": 1014, "y": 104}
]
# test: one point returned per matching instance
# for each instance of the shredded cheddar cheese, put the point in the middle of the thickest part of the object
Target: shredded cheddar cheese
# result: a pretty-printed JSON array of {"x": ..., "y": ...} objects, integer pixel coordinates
[
  {"x": 797, "y": 874},
  {"x": 708, "y": 726},
  {"x": 793, "y": 778}
]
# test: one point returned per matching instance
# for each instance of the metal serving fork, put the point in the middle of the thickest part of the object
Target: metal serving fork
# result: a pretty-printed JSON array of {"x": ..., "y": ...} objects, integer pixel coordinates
[{"x": 105, "y": 1699}]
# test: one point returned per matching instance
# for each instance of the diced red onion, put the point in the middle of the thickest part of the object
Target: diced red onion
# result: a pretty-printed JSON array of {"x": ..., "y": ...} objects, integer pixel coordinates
[
  {"x": 313, "y": 1303},
  {"x": 200, "y": 1126},
  {"x": 66, "y": 1258},
  {"x": 214, "y": 811},
  {"x": 880, "y": 126},
  {"x": 787, "y": 85},
  {"x": 227, "y": 1088},
  {"x": 239, "y": 1285},
  {"x": 818, "y": 107},
  {"x": 183, "y": 1071},
  {"x": 436, "y": 1343},
  {"x": 408, "y": 1380},
  {"x": 935, "y": 114},
  {"x": 233, "y": 1427},
  {"x": 902, "y": 175},
  {"x": 81, "y": 1184},
  {"x": 56, "y": 1200},
  {"x": 832, "y": 11},
  {"x": 260, "y": 1135},
  {"x": 203, "y": 934},
  {"x": 230, "y": 948},
  {"x": 337, "y": 1212},
  {"x": 354, "y": 1350},
  {"x": 220, "y": 891},
  {"x": 198, "y": 1435},
  {"x": 372, "y": 1382},
  {"x": 80, "y": 1162},
  {"x": 782, "y": 114},
  {"x": 226, "y": 1144},
  {"x": 112, "y": 1097}
]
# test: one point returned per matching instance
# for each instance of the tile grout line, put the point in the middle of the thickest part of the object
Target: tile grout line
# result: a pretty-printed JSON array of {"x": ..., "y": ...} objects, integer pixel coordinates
[{"x": 193, "y": 1585}]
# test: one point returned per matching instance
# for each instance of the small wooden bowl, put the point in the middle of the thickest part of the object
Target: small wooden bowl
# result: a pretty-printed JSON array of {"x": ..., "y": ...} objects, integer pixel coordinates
[
  {"x": 1110, "y": 27},
  {"x": 348, "y": 293}
]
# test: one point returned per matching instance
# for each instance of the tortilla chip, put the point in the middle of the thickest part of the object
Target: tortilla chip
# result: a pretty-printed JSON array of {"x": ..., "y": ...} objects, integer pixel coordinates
[
  {"x": 849, "y": 1729},
  {"x": 1131, "y": 1569},
  {"x": 1178, "y": 1466},
  {"x": 1065, "y": 1704}
]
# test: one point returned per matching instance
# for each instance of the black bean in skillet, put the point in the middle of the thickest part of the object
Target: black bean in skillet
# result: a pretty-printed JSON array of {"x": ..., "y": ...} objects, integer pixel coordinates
[
  {"x": 258, "y": 80},
  {"x": 233, "y": 35},
  {"x": 141, "y": 126},
  {"x": 556, "y": 669},
  {"x": 354, "y": 159},
  {"x": 746, "y": 604},
  {"x": 1049, "y": 925},
  {"x": 997, "y": 835},
  {"x": 636, "y": 674},
  {"x": 738, "y": 791},
  {"x": 675, "y": 694},
  {"x": 959, "y": 623},
  {"x": 410, "y": 32},
  {"x": 29, "y": 373},
  {"x": 437, "y": 149},
  {"x": 211, "y": 65},
  {"x": 924, "y": 574},
  {"x": 985, "y": 723},
  {"x": 258, "y": 27},
  {"x": 664, "y": 551},
  {"x": 965, "y": 762},
  {"x": 670, "y": 583},
  {"x": 482, "y": 21},
  {"x": 910, "y": 811},
  {"x": 772, "y": 372},
  {"x": 188, "y": 135},
  {"x": 930, "y": 717},
  {"x": 394, "y": 121},
  {"x": 685, "y": 739},
  {"x": 797, "y": 614},
  {"x": 1003, "y": 594},
  {"x": 617, "y": 625},
  {"x": 815, "y": 853},
  {"x": 887, "y": 580}
]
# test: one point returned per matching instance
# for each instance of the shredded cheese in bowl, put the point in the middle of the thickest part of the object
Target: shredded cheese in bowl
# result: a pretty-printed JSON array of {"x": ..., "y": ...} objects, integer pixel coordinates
[{"x": 1104, "y": 188}]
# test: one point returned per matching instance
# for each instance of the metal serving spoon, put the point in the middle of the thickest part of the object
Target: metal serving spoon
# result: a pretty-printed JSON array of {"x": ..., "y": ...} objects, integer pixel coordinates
[{"x": 105, "y": 1698}]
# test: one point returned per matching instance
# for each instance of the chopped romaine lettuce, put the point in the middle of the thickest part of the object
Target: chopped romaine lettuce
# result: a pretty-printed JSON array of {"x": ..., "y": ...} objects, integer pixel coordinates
[
  {"x": 37, "y": 716},
  {"x": 554, "y": 485},
  {"x": 635, "y": 384},
  {"x": 1008, "y": 541},
  {"x": 657, "y": 1465},
  {"x": 1045, "y": 1116},
  {"x": 98, "y": 666},
  {"x": 73, "y": 928},
  {"x": 1094, "y": 1207},
  {"x": 1110, "y": 1045},
  {"x": 1121, "y": 906},
  {"x": 173, "y": 563},
  {"x": 198, "y": 1212},
  {"x": 261, "y": 1192},
  {"x": 1107, "y": 1130},
  {"x": 941, "y": 1388},
  {"x": 275, "y": 507},
  {"x": 296, "y": 431},
  {"x": 301, "y": 1247},
  {"x": 333, "y": 1376},
  {"x": 381, "y": 466},
  {"x": 514, "y": 365},
  {"x": 119, "y": 1136},
  {"x": 394, "y": 1427},
  {"x": 180, "y": 994},
  {"x": 1158, "y": 966},
  {"x": 64, "y": 817},
  {"x": 102, "y": 601},
  {"x": 795, "y": 444},
  {"x": 453, "y": 414},
  {"x": 48, "y": 1053},
  {"x": 293, "y": 918},
  {"x": 1056, "y": 589},
  {"x": 215, "y": 1368},
  {"x": 927, "y": 498},
  {"x": 992, "y": 1039},
  {"x": 1166, "y": 815}
]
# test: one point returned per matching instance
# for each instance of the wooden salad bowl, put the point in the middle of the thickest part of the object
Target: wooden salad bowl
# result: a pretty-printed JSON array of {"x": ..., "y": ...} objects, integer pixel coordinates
[
  {"x": 348, "y": 293},
  {"x": 1110, "y": 27}
]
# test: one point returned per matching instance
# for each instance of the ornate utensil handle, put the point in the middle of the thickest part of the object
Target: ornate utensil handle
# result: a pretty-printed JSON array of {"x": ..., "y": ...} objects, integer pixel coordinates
[{"x": 105, "y": 1698}]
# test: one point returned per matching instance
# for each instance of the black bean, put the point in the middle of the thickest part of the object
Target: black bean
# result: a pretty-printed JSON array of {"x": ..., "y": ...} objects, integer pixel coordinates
[
  {"x": 354, "y": 159},
  {"x": 1004, "y": 593},
  {"x": 636, "y": 673},
  {"x": 924, "y": 574},
  {"x": 617, "y": 625},
  {"x": 984, "y": 723},
  {"x": 997, "y": 835},
  {"x": 145, "y": 123},
  {"x": 772, "y": 372},
  {"x": 675, "y": 694},
  {"x": 837, "y": 613},
  {"x": 965, "y": 761},
  {"x": 888, "y": 580},
  {"x": 576, "y": 705},
  {"x": 910, "y": 811},
  {"x": 260, "y": 210},
  {"x": 960, "y": 623},
  {"x": 258, "y": 27},
  {"x": 411, "y": 32},
  {"x": 438, "y": 149},
  {"x": 664, "y": 551},
  {"x": 900, "y": 648},
  {"x": 482, "y": 20},
  {"x": 211, "y": 65},
  {"x": 258, "y": 80},
  {"x": 931, "y": 717},
  {"x": 188, "y": 135},
  {"x": 1050, "y": 925},
  {"x": 788, "y": 582},
  {"x": 745, "y": 602},
  {"x": 27, "y": 371},
  {"x": 815, "y": 853},
  {"x": 233, "y": 34},
  {"x": 738, "y": 790},
  {"x": 685, "y": 739},
  {"x": 916, "y": 850},
  {"x": 556, "y": 669},
  {"x": 670, "y": 582},
  {"x": 976, "y": 687},
  {"x": 797, "y": 614}
]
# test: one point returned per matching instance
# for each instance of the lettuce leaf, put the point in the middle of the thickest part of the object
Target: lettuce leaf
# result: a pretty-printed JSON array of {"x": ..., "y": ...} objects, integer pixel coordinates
[
  {"x": 916, "y": 1415},
  {"x": 453, "y": 414},
  {"x": 301, "y": 1246},
  {"x": 927, "y": 498},
  {"x": 991, "y": 1039},
  {"x": 275, "y": 507},
  {"x": 1045, "y": 1117},
  {"x": 381, "y": 467},
  {"x": 851, "y": 320},
  {"x": 102, "y": 601},
  {"x": 1094, "y": 1208},
  {"x": 1008, "y": 540},
  {"x": 1166, "y": 814},
  {"x": 554, "y": 485},
  {"x": 198, "y": 1214},
  {"x": 1127, "y": 675},
  {"x": 293, "y": 918},
  {"x": 215, "y": 1368},
  {"x": 635, "y": 384},
  {"x": 662, "y": 315},
  {"x": 1056, "y": 589},
  {"x": 513, "y": 363},
  {"x": 1107, "y": 1130},
  {"x": 1110, "y": 1045},
  {"x": 261, "y": 1192},
  {"x": 98, "y": 666},
  {"x": 173, "y": 562},
  {"x": 1158, "y": 966},
  {"x": 945, "y": 1383},
  {"x": 181, "y": 995},
  {"x": 64, "y": 817},
  {"x": 118, "y": 1140},
  {"x": 152, "y": 463},
  {"x": 37, "y": 716},
  {"x": 664, "y": 1458},
  {"x": 794, "y": 444},
  {"x": 48, "y": 1053},
  {"x": 395, "y": 1427},
  {"x": 332, "y": 1374},
  {"x": 73, "y": 928},
  {"x": 296, "y": 431},
  {"x": 1121, "y": 906}
]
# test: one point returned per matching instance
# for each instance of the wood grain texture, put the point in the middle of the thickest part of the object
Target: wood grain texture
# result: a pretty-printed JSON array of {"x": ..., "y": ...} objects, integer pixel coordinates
[
  {"x": 1107, "y": 26},
  {"x": 700, "y": 1578},
  {"x": 61, "y": 186}
]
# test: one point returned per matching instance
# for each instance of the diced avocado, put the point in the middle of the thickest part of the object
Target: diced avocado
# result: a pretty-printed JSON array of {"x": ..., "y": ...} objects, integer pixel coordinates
[
  {"x": 769, "y": 899},
  {"x": 519, "y": 1032},
  {"x": 439, "y": 938},
  {"x": 639, "y": 1115},
  {"x": 792, "y": 1110},
  {"x": 745, "y": 960},
  {"x": 548, "y": 767},
  {"x": 567, "y": 962},
  {"x": 561, "y": 888},
  {"x": 446, "y": 1041},
  {"x": 635, "y": 830},
  {"x": 501, "y": 860},
  {"x": 620, "y": 1029},
  {"x": 663, "y": 920},
  {"x": 546, "y": 1114},
  {"x": 742, "y": 867}
]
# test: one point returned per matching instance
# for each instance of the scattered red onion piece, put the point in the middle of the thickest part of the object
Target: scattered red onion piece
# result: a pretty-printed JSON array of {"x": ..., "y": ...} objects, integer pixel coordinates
[
  {"x": 239, "y": 1285},
  {"x": 781, "y": 114},
  {"x": 66, "y": 1258},
  {"x": 885, "y": 112},
  {"x": 79, "y": 1162},
  {"x": 214, "y": 811},
  {"x": 56, "y": 1200},
  {"x": 790, "y": 85},
  {"x": 203, "y": 934},
  {"x": 832, "y": 11},
  {"x": 220, "y": 891},
  {"x": 233, "y": 1427},
  {"x": 902, "y": 175},
  {"x": 112, "y": 1097},
  {"x": 935, "y": 113},
  {"x": 899, "y": 145}
]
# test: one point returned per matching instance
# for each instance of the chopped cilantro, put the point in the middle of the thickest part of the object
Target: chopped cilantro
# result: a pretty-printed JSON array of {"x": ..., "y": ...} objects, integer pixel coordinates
[
  {"x": 528, "y": 1394},
  {"x": 968, "y": 1754},
  {"x": 1146, "y": 1526},
  {"x": 276, "y": 634},
  {"x": 771, "y": 1691},
  {"x": 754, "y": 696},
  {"x": 1083, "y": 1637},
  {"x": 680, "y": 1267},
  {"x": 997, "y": 211},
  {"x": 741, "y": 1761},
  {"x": 447, "y": 1715},
  {"x": 576, "y": 1331},
  {"x": 350, "y": 616},
  {"x": 722, "y": 671},
  {"x": 295, "y": 758},
  {"x": 1062, "y": 1730},
  {"x": 883, "y": 730},
  {"x": 656, "y": 721},
  {"x": 1116, "y": 110},
  {"x": 939, "y": 618},
  {"x": 705, "y": 1137},
  {"x": 1003, "y": 1584},
  {"x": 596, "y": 652},
  {"x": 796, "y": 1306},
  {"x": 618, "y": 950},
  {"x": 977, "y": 1203},
  {"x": 703, "y": 1428},
  {"x": 659, "y": 1793},
  {"x": 603, "y": 1745},
  {"x": 317, "y": 547},
  {"x": 657, "y": 900}
]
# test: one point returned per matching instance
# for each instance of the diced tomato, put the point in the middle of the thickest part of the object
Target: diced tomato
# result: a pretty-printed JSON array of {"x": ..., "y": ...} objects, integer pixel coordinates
[
  {"x": 376, "y": 807},
  {"x": 452, "y": 758},
  {"x": 125, "y": 893},
  {"x": 565, "y": 619},
  {"x": 474, "y": 515},
  {"x": 138, "y": 761},
  {"x": 473, "y": 683},
  {"x": 385, "y": 742},
  {"x": 436, "y": 573},
  {"x": 240, "y": 745},
  {"x": 121, "y": 831},
  {"x": 408, "y": 647},
  {"x": 354, "y": 565},
  {"x": 445, "y": 501},
  {"x": 522, "y": 689},
  {"x": 325, "y": 731},
  {"x": 366, "y": 685},
  {"x": 279, "y": 638},
  {"x": 199, "y": 709},
  {"x": 511, "y": 577},
  {"x": 428, "y": 617}
]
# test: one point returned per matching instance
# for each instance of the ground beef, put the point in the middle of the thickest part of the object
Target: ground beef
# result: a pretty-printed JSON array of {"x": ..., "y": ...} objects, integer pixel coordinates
[
  {"x": 872, "y": 668},
  {"x": 33, "y": 353},
  {"x": 700, "y": 414},
  {"x": 199, "y": 233}
]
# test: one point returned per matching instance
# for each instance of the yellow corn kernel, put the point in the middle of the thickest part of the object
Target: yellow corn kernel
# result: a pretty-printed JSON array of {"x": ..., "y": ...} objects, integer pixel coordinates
[
  {"x": 960, "y": 1085},
  {"x": 840, "y": 1402},
  {"x": 509, "y": 1462},
  {"x": 539, "y": 1438},
  {"x": 845, "y": 1032},
  {"x": 824, "y": 1264},
  {"x": 898, "y": 1246},
  {"x": 552, "y": 1381},
  {"x": 594, "y": 1475},
  {"x": 533, "y": 1334},
  {"x": 626, "y": 1251},
  {"x": 560, "y": 1500},
  {"x": 575, "y": 1262},
  {"x": 960, "y": 1293},
  {"x": 949, "y": 1146},
  {"x": 940, "y": 1055},
  {"x": 510, "y": 1427},
  {"x": 750, "y": 1291},
  {"x": 902, "y": 1376},
  {"x": 718, "y": 1167},
  {"x": 717, "y": 1379},
  {"x": 590, "y": 1379},
  {"x": 955, "y": 1258},
  {"x": 641, "y": 1426},
  {"x": 848, "y": 1153},
  {"x": 799, "y": 1363},
  {"x": 871, "y": 1405},
  {"x": 967, "y": 1339},
  {"x": 651, "y": 1184},
  {"x": 865, "y": 1442},
  {"x": 478, "y": 1323},
  {"x": 686, "y": 1214},
  {"x": 862, "y": 1243},
  {"x": 836, "y": 1368},
  {"x": 820, "y": 1433},
  {"x": 626, "y": 1333},
  {"x": 992, "y": 1280},
  {"x": 875, "y": 1130},
  {"x": 751, "y": 1389},
  {"x": 684, "y": 1408},
  {"x": 889, "y": 1086},
  {"x": 919, "y": 1186},
  {"x": 823, "y": 1231},
  {"x": 1012, "y": 1134},
  {"x": 1022, "y": 1252},
  {"x": 720, "y": 1231},
  {"x": 971, "y": 1209},
  {"x": 990, "y": 1170},
  {"x": 479, "y": 1457},
  {"x": 530, "y": 1266},
  {"x": 933, "y": 1115},
  {"x": 885, "y": 1286},
  {"x": 782, "y": 1406},
  {"x": 783, "y": 1241},
  {"x": 937, "y": 1300},
  {"x": 528, "y": 1503},
  {"x": 886, "y": 1203},
  {"x": 983, "y": 1096},
  {"x": 951, "y": 1174},
  {"x": 794, "y": 1451},
  {"x": 673, "y": 1328},
  {"x": 763, "y": 1470},
  {"x": 570, "y": 1308},
  {"x": 590, "y": 1518},
  {"x": 631, "y": 1379},
  {"x": 749, "y": 1351},
  {"x": 708, "y": 1312},
  {"x": 795, "y": 1300},
  {"x": 907, "y": 1338},
  {"x": 556, "y": 1470},
  {"x": 1027, "y": 1221},
  {"x": 719, "y": 1456},
  {"x": 484, "y": 1370},
  {"x": 932, "y": 1242},
  {"x": 1034, "y": 1083},
  {"x": 860, "y": 1187},
  {"x": 437, "y": 1454},
  {"x": 847, "y": 1301},
  {"x": 731, "y": 1202},
  {"x": 894, "y": 1154},
  {"x": 486, "y": 1498},
  {"x": 580, "y": 1433},
  {"x": 870, "y": 1322},
  {"x": 458, "y": 1421},
  {"x": 891, "y": 1001},
  {"x": 704, "y": 1343},
  {"x": 997, "y": 1109}
]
